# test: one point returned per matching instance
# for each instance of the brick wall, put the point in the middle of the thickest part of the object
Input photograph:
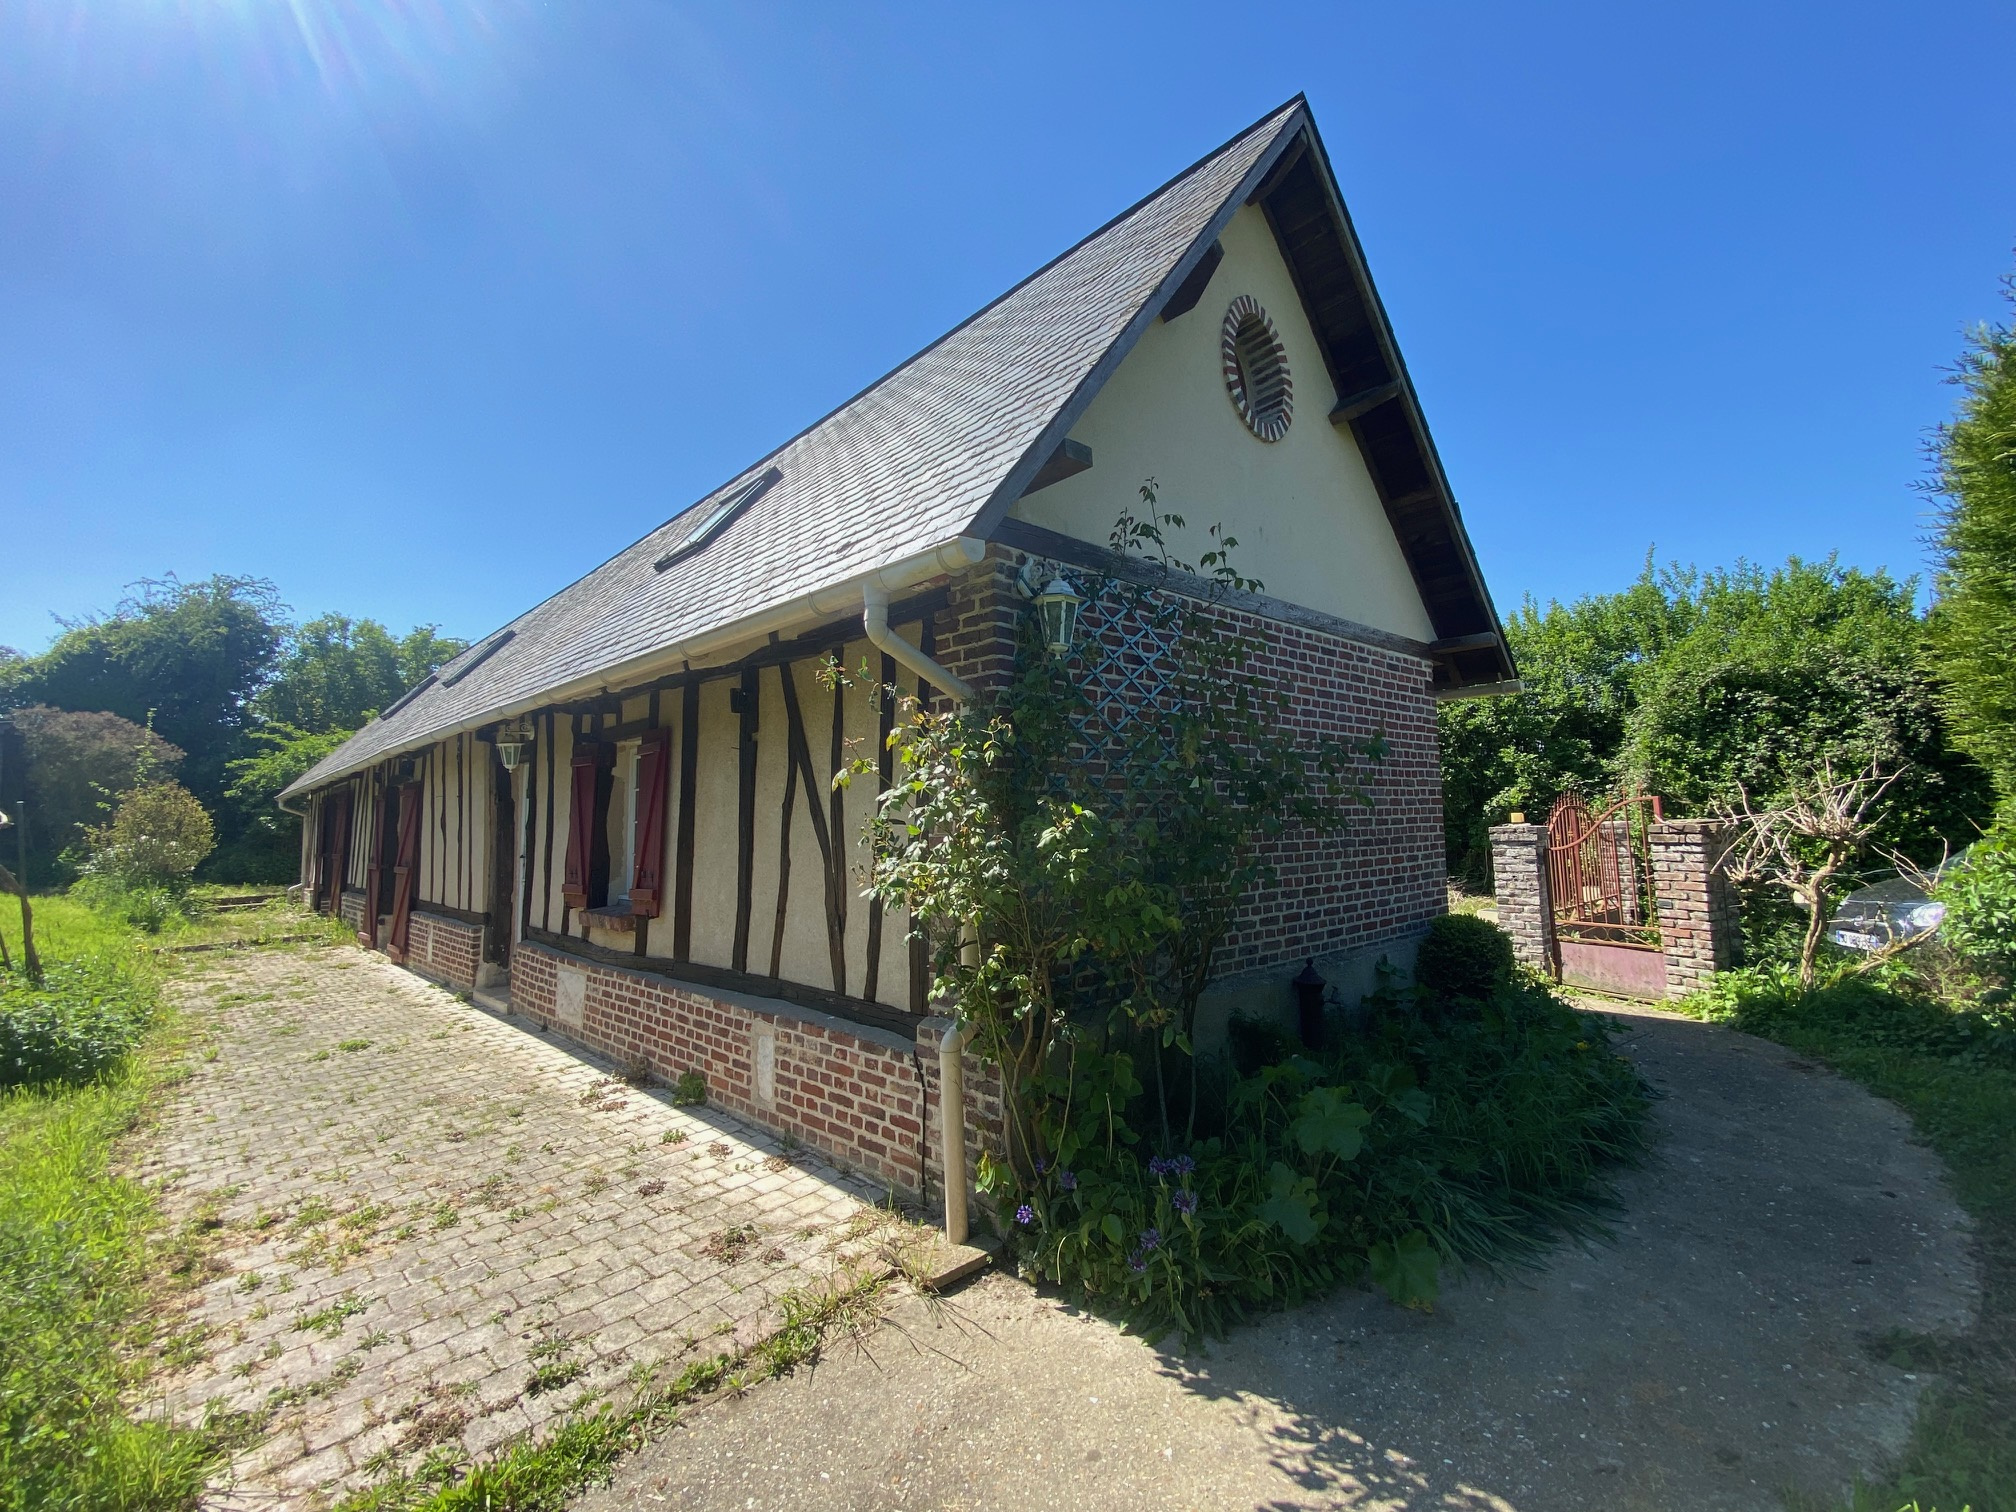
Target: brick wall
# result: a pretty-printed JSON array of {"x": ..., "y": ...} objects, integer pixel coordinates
[
  {"x": 860, "y": 1096},
  {"x": 1385, "y": 876},
  {"x": 1519, "y": 872},
  {"x": 352, "y": 909},
  {"x": 444, "y": 948},
  {"x": 1700, "y": 929}
]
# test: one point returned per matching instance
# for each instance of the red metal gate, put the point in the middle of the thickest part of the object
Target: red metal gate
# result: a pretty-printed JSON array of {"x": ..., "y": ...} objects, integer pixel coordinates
[{"x": 1606, "y": 911}]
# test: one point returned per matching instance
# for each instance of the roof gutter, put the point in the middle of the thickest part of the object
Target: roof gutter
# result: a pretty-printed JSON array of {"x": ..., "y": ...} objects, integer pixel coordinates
[
  {"x": 875, "y": 621},
  {"x": 953, "y": 556}
]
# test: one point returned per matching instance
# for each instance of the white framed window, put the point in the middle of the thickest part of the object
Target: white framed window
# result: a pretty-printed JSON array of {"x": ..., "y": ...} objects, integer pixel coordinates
[{"x": 623, "y": 823}]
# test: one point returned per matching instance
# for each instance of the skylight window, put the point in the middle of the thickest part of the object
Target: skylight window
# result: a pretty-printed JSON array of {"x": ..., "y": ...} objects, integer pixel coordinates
[{"x": 714, "y": 518}]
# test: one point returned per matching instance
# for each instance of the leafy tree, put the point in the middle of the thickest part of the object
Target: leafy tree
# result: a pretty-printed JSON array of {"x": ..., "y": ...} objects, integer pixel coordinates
[
  {"x": 336, "y": 672},
  {"x": 1579, "y": 663},
  {"x": 77, "y": 763},
  {"x": 1973, "y": 624},
  {"x": 1810, "y": 665},
  {"x": 184, "y": 658},
  {"x": 1693, "y": 685}
]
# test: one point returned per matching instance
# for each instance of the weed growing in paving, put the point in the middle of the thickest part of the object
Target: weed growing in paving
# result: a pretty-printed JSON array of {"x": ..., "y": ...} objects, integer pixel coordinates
[
  {"x": 553, "y": 1366},
  {"x": 351, "y": 1046},
  {"x": 328, "y": 1321}
]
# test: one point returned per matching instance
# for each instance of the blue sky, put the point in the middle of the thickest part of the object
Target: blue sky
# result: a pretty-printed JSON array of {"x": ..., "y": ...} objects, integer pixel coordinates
[{"x": 421, "y": 308}]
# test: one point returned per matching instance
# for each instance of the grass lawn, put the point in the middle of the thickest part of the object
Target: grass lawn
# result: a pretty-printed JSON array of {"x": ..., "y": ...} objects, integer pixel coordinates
[
  {"x": 84, "y": 1258},
  {"x": 1955, "y": 1073}
]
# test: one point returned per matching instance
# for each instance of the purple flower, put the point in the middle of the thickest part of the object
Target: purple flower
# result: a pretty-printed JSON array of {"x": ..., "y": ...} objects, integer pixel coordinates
[
  {"x": 1150, "y": 1237},
  {"x": 1157, "y": 1166},
  {"x": 1182, "y": 1165},
  {"x": 1068, "y": 1180},
  {"x": 1042, "y": 1165},
  {"x": 1025, "y": 1215},
  {"x": 1136, "y": 1264},
  {"x": 1184, "y": 1202}
]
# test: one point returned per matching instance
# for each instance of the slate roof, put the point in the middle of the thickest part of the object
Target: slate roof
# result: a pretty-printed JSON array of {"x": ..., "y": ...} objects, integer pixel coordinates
[{"x": 931, "y": 452}]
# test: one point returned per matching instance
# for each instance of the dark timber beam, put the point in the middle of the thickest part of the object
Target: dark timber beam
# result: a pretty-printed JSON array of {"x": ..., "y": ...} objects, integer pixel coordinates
[
  {"x": 1484, "y": 640},
  {"x": 1070, "y": 459},
  {"x": 1363, "y": 402},
  {"x": 1188, "y": 292}
]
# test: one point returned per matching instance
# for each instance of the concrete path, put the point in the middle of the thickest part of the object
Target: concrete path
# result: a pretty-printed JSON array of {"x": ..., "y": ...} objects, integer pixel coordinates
[
  {"x": 435, "y": 1229},
  {"x": 1711, "y": 1358}
]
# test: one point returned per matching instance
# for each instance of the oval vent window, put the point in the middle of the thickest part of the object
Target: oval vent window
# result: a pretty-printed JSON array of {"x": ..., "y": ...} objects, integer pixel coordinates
[{"x": 1256, "y": 370}]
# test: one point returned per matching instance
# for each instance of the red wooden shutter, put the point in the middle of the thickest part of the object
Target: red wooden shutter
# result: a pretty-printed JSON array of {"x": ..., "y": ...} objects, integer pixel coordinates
[
  {"x": 374, "y": 864},
  {"x": 654, "y": 765},
  {"x": 581, "y": 818},
  {"x": 403, "y": 868}
]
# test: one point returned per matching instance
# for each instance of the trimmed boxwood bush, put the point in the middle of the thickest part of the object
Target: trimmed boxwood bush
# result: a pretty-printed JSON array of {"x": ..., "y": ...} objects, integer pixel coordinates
[{"x": 1464, "y": 957}]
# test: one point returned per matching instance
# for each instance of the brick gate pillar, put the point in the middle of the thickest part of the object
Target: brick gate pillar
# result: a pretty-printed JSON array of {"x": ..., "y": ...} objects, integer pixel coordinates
[
  {"x": 1700, "y": 930},
  {"x": 1519, "y": 870}
]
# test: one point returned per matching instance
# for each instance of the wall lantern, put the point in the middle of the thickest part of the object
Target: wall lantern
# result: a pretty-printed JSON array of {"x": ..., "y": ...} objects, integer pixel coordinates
[
  {"x": 511, "y": 741},
  {"x": 1058, "y": 605}
]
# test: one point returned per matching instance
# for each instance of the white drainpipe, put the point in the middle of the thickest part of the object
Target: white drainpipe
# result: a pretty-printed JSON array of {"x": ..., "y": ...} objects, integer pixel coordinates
[{"x": 952, "y": 1048}]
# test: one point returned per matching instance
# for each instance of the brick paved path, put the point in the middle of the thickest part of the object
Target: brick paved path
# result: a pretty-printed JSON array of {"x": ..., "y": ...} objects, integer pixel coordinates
[{"x": 440, "y": 1230}]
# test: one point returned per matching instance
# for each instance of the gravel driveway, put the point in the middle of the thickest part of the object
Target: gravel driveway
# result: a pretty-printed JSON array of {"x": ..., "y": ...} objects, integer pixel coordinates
[
  {"x": 1712, "y": 1357},
  {"x": 436, "y": 1229}
]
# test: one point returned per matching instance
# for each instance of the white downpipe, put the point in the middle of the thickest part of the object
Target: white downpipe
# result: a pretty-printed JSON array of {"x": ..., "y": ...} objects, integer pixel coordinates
[
  {"x": 875, "y": 622},
  {"x": 952, "y": 1124},
  {"x": 952, "y": 1048}
]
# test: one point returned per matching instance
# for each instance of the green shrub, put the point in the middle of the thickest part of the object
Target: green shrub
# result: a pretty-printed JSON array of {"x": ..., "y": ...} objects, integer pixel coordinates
[
  {"x": 79, "y": 1024},
  {"x": 1980, "y": 899},
  {"x": 690, "y": 1090},
  {"x": 1413, "y": 1145},
  {"x": 1860, "y": 1012},
  {"x": 157, "y": 837},
  {"x": 1464, "y": 957}
]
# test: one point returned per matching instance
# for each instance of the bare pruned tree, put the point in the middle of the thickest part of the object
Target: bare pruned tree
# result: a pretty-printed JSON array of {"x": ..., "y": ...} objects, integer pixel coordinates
[{"x": 1808, "y": 842}]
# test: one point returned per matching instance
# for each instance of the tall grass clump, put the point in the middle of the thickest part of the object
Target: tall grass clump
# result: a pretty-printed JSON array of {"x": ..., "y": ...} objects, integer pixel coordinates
[{"x": 77, "y": 1251}]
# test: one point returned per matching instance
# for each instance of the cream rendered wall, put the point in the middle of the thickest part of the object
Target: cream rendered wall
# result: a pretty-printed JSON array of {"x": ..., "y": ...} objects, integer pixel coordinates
[
  {"x": 714, "y": 841},
  {"x": 1304, "y": 510}
]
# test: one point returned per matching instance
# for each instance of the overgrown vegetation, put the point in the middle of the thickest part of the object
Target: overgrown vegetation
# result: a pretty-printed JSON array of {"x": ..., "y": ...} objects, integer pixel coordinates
[
  {"x": 1698, "y": 685},
  {"x": 82, "y": 1257},
  {"x": 1973, "y": 625},
  {"x": 239, "y": 700},
  {"x": 1080, "y": 877}
]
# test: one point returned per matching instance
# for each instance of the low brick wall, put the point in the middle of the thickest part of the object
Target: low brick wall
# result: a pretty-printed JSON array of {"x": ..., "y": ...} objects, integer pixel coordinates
[
  {"x": 352, "y": 909},
  {"x": 864, "y": 1097},
  {"x": 446, "y": 949}
]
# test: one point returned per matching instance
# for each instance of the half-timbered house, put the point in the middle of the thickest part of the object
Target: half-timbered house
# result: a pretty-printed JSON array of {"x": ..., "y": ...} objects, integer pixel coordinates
[{"x": 618, "y": 810}]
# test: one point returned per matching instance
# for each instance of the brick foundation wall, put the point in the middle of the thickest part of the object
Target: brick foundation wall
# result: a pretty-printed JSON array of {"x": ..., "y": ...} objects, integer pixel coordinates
[
  {"x": 865, "y": 1098},
  {"x": 352, "y": 909},
  {"x": 444, "y": 948}
]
